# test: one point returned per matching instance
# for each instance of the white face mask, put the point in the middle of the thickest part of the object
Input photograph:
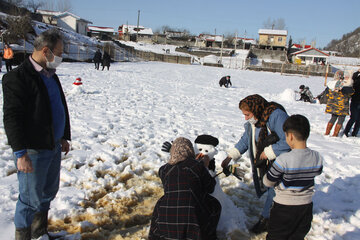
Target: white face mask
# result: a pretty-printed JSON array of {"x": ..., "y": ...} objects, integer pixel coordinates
[
  {"x": 252, "y": 120},
  {"x": 55, "y": 62}
]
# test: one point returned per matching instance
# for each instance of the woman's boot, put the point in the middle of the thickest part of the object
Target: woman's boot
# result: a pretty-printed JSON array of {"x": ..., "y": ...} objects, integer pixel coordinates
[{"x": 328, "y": 128}]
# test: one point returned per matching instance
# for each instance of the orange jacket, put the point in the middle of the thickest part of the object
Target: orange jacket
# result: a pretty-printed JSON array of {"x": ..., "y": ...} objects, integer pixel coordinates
[{"x": 8, "y": 53}]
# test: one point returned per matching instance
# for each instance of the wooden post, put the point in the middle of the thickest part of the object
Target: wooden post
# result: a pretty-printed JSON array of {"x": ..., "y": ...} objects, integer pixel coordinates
[
  {"x": 308, "y": 72},
  {"x": 78, "y": 52},
  {"x": 282, "y": 68},
  {"x": 326, "y": 74}
]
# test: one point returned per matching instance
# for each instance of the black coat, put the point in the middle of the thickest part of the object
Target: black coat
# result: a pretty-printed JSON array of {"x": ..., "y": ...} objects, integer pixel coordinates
[
  {"x": 356, "y": 96},
  {"x": 187, "y": 210},
  {"x": 27, "y": 109},
  {"x": 97, "y": 57},
  {"x": 106, "y": 59}
]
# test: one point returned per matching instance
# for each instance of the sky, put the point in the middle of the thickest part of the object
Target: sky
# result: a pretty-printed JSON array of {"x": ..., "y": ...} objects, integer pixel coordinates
[{"x": 308, "y": 20}]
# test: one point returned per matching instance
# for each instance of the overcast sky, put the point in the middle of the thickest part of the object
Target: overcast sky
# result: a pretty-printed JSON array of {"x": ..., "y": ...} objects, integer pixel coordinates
[{"x": 320, "y": 20}]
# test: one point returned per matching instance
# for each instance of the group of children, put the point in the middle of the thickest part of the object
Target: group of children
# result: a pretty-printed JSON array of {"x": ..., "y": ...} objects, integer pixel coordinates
[{"x": 188, "y": 187}]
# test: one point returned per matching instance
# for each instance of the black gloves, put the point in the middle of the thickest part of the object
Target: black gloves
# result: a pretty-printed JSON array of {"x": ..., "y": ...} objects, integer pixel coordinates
[
  {"x": 212, "y": 165},
  {"x": 166, "y": 146},
  {"x": 234, "y": 170}
]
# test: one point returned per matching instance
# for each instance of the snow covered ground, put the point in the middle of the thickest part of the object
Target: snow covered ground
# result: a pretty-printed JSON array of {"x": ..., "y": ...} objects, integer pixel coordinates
[{"x": 121, "y": 117}]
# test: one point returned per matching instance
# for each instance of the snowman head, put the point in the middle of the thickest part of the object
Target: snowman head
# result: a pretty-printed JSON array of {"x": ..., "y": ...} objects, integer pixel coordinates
[{"x": 206, "y": 144}]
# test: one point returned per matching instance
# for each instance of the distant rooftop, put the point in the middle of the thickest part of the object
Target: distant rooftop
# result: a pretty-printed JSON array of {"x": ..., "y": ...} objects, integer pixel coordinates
[{"x": 273, "y": 32}]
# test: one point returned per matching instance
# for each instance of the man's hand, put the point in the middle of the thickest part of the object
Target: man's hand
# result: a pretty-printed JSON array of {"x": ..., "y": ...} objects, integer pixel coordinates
[
  {"x": 225, "y": 162},
  {"x": 24, "y": 164},
  {"x": 263, "y": 156},
  {"x": 65, "y": 146}
]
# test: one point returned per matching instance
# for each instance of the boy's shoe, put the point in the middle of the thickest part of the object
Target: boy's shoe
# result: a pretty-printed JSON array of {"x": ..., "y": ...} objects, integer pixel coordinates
[{"x": 260, "y": 226}]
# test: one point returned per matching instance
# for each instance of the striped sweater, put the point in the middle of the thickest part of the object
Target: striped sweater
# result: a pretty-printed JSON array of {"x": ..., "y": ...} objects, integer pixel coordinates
[{"x": 293, "y": 175}]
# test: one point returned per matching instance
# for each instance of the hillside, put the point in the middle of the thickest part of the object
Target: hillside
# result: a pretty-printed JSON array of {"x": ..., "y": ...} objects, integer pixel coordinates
[{"x": 348, "y": 45}]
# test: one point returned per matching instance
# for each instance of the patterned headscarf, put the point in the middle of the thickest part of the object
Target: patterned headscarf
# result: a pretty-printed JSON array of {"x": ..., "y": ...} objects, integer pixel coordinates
[
  {"x": 261, "y": 110},
  {"x": 181, "y": 150}
]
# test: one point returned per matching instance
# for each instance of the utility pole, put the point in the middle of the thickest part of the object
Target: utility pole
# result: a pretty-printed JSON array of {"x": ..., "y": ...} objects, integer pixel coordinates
[
  {"x": 244, "y": 40},
  {"x": 222, "y": 45},
  {"x": 235, "y": 41},
  {"x": 137, "y": 29}
]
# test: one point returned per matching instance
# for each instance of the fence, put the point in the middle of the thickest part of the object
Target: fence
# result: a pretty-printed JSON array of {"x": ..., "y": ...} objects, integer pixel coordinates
[
  {"x": 151, "y": 56},
  {"x": 288, "y": 68}
]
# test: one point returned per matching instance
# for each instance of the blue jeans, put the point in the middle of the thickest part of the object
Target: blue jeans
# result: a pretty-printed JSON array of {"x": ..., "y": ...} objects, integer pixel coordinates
[
  {"x": 39, "y": 188},
  {"x": 354, "y": 118},
  {"x": 268, "y": 203}
]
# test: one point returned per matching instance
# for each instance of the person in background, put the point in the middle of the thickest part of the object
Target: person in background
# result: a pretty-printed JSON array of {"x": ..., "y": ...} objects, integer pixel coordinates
[
  {"x": 106, "y": 61},
  {"x": 8, "y": 56},
  {"x": 186, "y": 210},
  {"x": 354, "y": 107},
  {"x": 37, "y": 125},
  {"x": 97, "y": 59},
  {"x": 340, "y": 90},
  {"x": 292, "y": 174},
  {"x": 0, "y": 60},
  {"x": 225, "y": 81},
  {"x": 264, "y": 121},
  {"x": 305, "y": 94}
]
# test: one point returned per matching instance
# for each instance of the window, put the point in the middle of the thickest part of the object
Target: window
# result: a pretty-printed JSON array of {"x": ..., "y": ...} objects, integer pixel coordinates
[{"x": 280, "y": 39}]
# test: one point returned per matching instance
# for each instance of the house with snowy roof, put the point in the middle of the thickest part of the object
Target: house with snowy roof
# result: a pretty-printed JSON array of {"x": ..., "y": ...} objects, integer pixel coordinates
[
  {"x": 48, "y": 16},
  {"x": 65, "y": 20},
  {"x": 72, "y": 22},
  {"x": 272, "y": 38},
  {"x": 102, "y": 33},
  {"x": 208, "y": 40},
  {"x": 310, "y": 56},
  {"x": 244, "y": 42},
  {"x": 135, "y": 33}
]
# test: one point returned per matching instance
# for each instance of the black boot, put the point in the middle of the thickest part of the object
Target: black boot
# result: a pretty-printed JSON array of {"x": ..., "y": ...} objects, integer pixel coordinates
[
  {"x": 23, "y": 234},
  {"x": 39, "y": 225},
  {"x": 260, "y": 226}
]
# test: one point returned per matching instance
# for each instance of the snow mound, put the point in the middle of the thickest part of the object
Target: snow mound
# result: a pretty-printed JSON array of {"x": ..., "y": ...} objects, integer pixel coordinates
[{"x": 288, "y": 95}]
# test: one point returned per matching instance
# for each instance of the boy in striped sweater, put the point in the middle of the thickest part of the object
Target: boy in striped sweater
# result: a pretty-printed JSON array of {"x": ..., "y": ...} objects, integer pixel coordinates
[{"x": 293, "y": 175}]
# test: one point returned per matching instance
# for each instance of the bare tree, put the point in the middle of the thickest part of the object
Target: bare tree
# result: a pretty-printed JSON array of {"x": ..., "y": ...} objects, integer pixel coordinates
[
  {"x": 18, "y": 28},
  {"x": 58, "y": 5},
  {"x": 278, "y": 24},
  {"x": 34, "y": 5}
]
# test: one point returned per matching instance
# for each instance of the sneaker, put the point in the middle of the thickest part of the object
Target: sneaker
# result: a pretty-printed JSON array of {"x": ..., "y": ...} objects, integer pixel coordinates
[{"x": 260, "y": 226}]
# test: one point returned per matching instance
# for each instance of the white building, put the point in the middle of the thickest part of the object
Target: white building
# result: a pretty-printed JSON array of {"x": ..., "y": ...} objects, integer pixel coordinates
[
  {"x": 131, "y": 32},
  {"x": 310, "y": 56},
  {"x": 208, "y": 40},
  {"x": 72, "y": 22}
]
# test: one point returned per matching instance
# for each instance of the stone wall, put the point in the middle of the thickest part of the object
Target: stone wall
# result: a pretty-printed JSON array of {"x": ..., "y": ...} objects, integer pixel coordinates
[{"x": 313, "y": 70}]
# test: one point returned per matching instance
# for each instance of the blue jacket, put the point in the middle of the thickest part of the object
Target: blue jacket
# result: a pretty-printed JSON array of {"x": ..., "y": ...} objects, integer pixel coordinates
[{"x": 275, "y": 124}]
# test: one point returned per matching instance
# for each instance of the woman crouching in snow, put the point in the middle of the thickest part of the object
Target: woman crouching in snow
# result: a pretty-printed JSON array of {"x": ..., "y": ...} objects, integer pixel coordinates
[{"x": 187, "y": 210}]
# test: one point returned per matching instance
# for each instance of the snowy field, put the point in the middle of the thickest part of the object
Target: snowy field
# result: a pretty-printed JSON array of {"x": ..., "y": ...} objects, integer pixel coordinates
[{"x": 121, "y": 117}]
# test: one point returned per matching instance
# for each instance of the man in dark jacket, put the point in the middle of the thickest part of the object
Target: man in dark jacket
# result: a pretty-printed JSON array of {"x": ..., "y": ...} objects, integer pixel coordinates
[
  {"x": 97, "y": 59},
  {"x": 354, "y": 107},
  {"x": 106, "y": 61},
  {"x": 37, "y": 126},
  {"x": 225, "y": 81}
]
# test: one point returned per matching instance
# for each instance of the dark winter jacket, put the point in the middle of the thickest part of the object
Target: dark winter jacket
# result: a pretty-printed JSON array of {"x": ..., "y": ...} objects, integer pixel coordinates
[
  {"x": 27, "y": 111},
  {"x": 186, "y": 211},
  {"x": 97, "y": 57},
  {"x": 106, "y": 59},
  {"x": 356, "y": 85},
  {"x": 225, "y": 82}
]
